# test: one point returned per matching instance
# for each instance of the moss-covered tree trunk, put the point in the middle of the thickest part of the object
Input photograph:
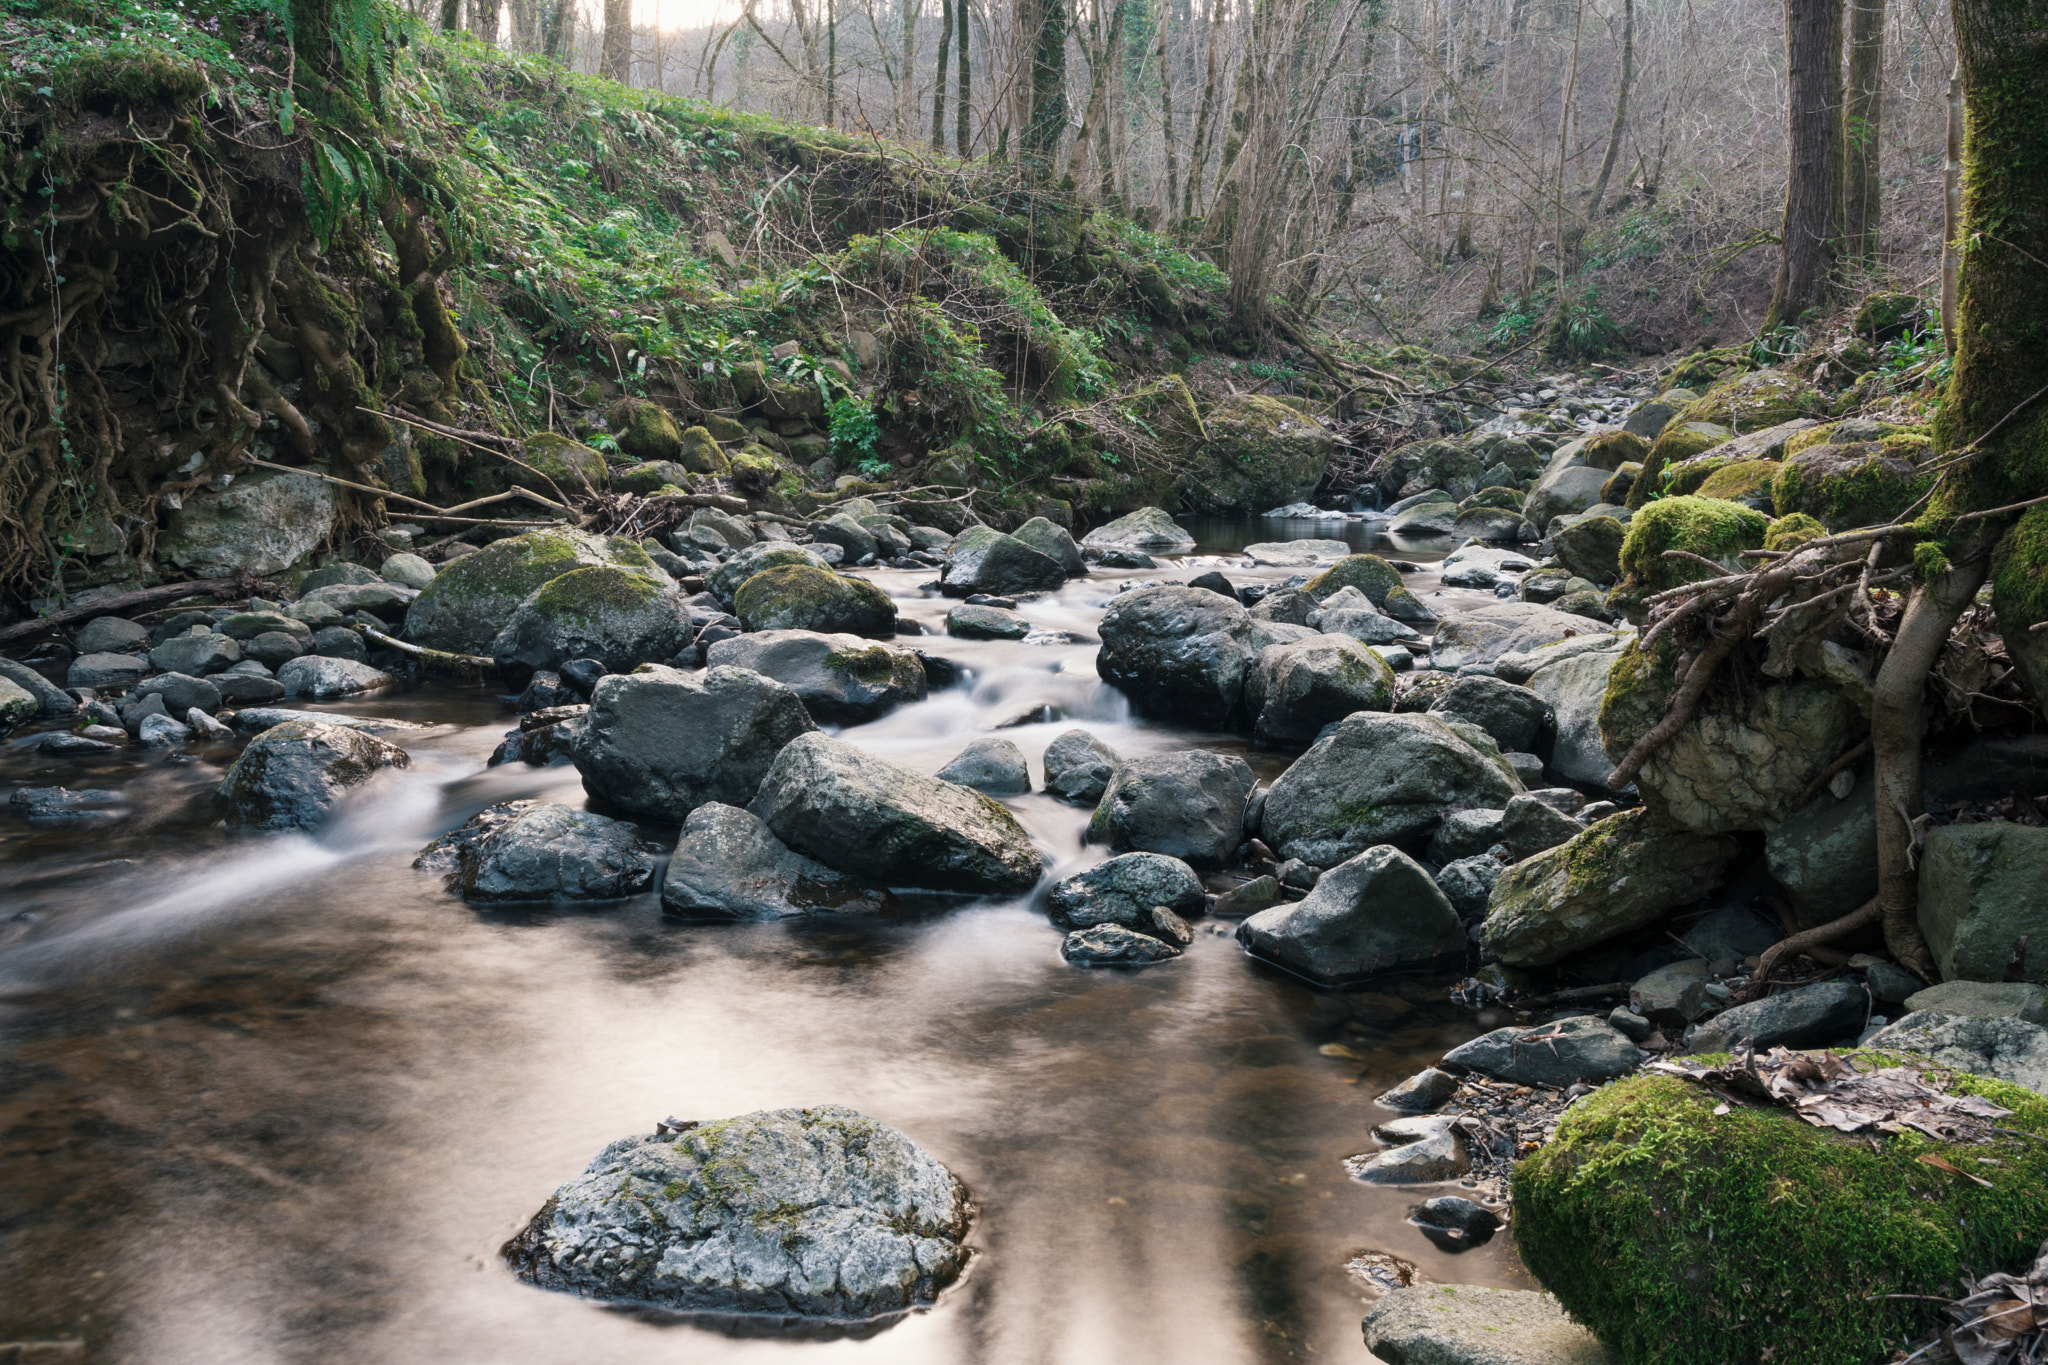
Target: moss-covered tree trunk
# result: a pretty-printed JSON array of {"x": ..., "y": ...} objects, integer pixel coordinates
[
  {"x": 1813, "y": 180},
  {"x": 1863, "y": 122}
]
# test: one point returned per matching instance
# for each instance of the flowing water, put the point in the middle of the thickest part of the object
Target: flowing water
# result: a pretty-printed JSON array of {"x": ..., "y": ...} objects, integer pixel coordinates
[{"x": 279, "y": 1098}]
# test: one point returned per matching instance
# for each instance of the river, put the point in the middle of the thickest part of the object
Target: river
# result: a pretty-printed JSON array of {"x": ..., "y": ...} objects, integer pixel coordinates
[{"x": 276, "y": 1098}]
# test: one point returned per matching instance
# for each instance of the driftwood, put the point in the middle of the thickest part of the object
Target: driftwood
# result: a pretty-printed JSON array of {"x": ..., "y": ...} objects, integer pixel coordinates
[
  {"x": 435, "y": 660},
  {"x": 237, "y": 586}
]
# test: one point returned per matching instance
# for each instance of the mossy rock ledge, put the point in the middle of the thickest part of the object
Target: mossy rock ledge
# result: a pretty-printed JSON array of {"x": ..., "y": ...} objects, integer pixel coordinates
[
  {"x": 472, "y": 598},
  {"x": 1682, "y": 1236}
]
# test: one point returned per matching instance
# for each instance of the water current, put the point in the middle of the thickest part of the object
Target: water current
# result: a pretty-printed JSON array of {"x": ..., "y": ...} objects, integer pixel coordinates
[{"x": 280, "y": 1098}]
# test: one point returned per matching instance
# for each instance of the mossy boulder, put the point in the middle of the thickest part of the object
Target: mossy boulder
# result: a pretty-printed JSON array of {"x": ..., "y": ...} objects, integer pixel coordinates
[
  {"x": 1751, "y": 402},
  {"x": 2019, "y": 594},
  {"x": 1745, "y": 481},
  {"x": 1685, "y": 1236},
  {"x": 1499, "y": 496},
  {"x": 699, "y": 452},
  {"x": 1708, "y": 527},
  {"x": 1260, "y": 453},
  {"x": 1885, "y": 315},
  {"x": 755, "y": 470},
  {"x": 644, "y": 430},
  {"x": 1686, "y": 476},
  {"x": 800, "y": 597},
  {"x": 1369, "y": 574},
  {"x": 1702, "y": 369},
  {"x": 725, "y": 580},
  {"x": 471, "y": 598},
  {"x": 645, "y": 480},
  {"x": 1846, "y": 486},
  {"x": 1789, "y": 533},
  {"x": 1610, "y": 450},
  {"x": 1620, "y": 484},
  {"x": 621, "y": 617},
  {"x": 575, "y": 469},
  {"x": 1443, "y": 464}
]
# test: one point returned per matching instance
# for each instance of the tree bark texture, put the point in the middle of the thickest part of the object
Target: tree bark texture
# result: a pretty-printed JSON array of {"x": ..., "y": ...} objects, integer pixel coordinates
[
  {"x": 1952, "y": 212},
  {"x": 1862, "y": 124},
  {"x": 1047, "y": 124},
  {"x": 939, "y": 76},
  {"x": 1813, "y": 187},
  {"x": 615, "y": 59},
  {"x": 1628, "y": 76},
  {"x": 963, "y": 101}
]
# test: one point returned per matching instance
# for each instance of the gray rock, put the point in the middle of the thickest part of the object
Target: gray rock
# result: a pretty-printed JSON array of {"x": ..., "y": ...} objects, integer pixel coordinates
[
  {"x": 1672, "y": 995},
  {"x": 658, "y": 742},
  {"x": 162, "y": 732},
  {"x": 1124, "y": 891},
  {"x": 1529, "y": 826},
  {"x": 816, "y": 1212},
  {"x": 388, "y": 600},
  {"x": 1462, "y": 1324},
  {"x": 1465, "y": 834},
  {"x": 1825, "y": 855},
  {"x": 620, "y": 617},
  {"x": 206, "y": 727},
  {"x": 1484, "y": 635},
  {"x": 711, "y": 529},
  {"x": 1983, "y": 1000},
  {"x": 1376, "y": 779},
  {"x": 1078, "y": 767},
  {"x": 872, "y": 818},
  {"x": 1367, "y": 626},
  {"x": 1148, "y": 528},
  {"x": 472, "y": 598},
  {"x": 992, "y": 765},
  {"x": 49, "y": 699},
  {"x": 106, "y": 672},
  {"x": 800, "y": 597},
  {"x": 274, "y": 648},
  {"x": 1513, "y": 715},
  {"x": 247, "y": 625},
  {"x": 983, "y": 559},
  {"x": 1573, "y": 684},
  {"x": 848, "y": 534},
  {"x": 1730, "y": 934},
  {"x": 324, "y": 679},
  {"x": 256, "y": 718},
  {"x": 60, "y": 808},
  {"x": 1806, "y": 1016},
  {"x": 1112, "y": 945},
  {"x": 407, "y": 570},
  {"x": 1630, "y": 1024},
  {"x": 541, "y": 851},
  {"x": 1563, "y": 491},
  {"x": 1433, "y": 1151},
  {"x": 1052, "y": 541},
  {"x": 1467, "y": 884},
  {"x": 180, "y": 692},
  {"x": 112, "y": 635},
  {"x": 1981, "y": 892},
  {"x": 61, "y": 743},
  {"x": 1121, "y": 559},
  {"x": 841, "y": 679},
  {"x": 1296, "y": 554},
  {"x": 247, "y": 687},
  {"x": 1375, "y": 913},
  {"x": 340, "y": 571},
  {"x": 1427, "y": 1091},
  {"x": 197, "y": 655},
  {"x": 972, "y": 622},
  {"x": 1892, "y": 985},
  {"x": 728, "y": 865},
  {"x": 1188, "y": 805},
  {"x": 339, "y": 642},
  {"x": 2006, "y": 1048},
  {"x": 264, "y": 522},
  {"x": 1555, "y": 1054},
  {"x": 1293, "y": 690},
  {"x": 1482, "y": 566},
  {"x": 292, "y": 774}
]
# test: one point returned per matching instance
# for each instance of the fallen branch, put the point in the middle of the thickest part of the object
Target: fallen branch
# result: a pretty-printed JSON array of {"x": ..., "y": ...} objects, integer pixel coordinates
[
  {"x": 432, "y": 513},
  {"x": 434, "y": 660},
  {"x": 562, "y": 499},
  {"x": 237, "y": 586},
  {"x": 1862, "y": 917}
]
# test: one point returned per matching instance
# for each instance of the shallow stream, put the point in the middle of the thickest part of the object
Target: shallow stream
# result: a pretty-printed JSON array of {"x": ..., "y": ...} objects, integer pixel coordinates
[{"x": 276, "y": 1098}]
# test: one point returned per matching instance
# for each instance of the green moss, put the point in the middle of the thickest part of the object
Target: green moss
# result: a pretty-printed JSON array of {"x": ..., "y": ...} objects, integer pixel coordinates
[
  {"x": 2019, "y": 572},
  {"x": 1752, "y": 402},
  {"x": 1789, "y": 533},
  {"x": 801, "y": 597},
  {"x": 875, "y": 664},
  {"x": 1685, "y": 1237},
  {"x": 1616, "y": 490},
  {"x": 574, "y": 468},
  {"x": 1369, "y": 574},
  {"x": 1707, "y": 527},
  {"x": 1259, "y": 452},
  {"x": 644, "y": 430},
  {"x": 700, "y": 453},
  {"x": 1680, "y": 441},
  {"x": 755, "y": 470},
  {"x": 594, "y": 593},
  {"x": 1504, "y": 499},
  {"x": 1687, "y": 475},
  {"x": 1847, "y": 486},
  {"x": 1612, "y": 449},
  {"x": 1740, "y": 480}
]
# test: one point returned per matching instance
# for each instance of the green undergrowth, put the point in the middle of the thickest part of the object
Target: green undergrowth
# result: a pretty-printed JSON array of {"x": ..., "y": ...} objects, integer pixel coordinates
[{"x": 1683, "y": 1236}]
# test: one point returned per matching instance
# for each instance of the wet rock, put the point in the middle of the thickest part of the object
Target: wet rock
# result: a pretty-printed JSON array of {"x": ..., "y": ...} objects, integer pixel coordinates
[
  {"x": 1591, "y": 549},
  {"x": 197, "y": 655},
  {"x": 1434, "y": 1151},
  {"x": 264, "y": 523},
  {"x": 257, "y": 718},
  {"x": 545, "y": 689},
  {"x": 471, "y": 598},
  {"x": 1467, "y": 883},
  {"x": 1148, "y": 528},
  {"x": 1482, "y": 566},
  {"x": 1825, "y": 855},
  {"x": 1561, "y": 491},
  {"x": 17, "y": 704},
  {"x": 1293, "y": 690},
  {"x": 849, "y": 535},
  {"x": 407, "y": 570},
  {"x": 60, "y": 808},
  {"x": 75, "y": 744},
  {"x": 1613, "y": 878},
  {"x": 1982, "y": 1000},
  {"x": 659, "y": 742},
  {"x": 112, "y": 635},
  {"x": 816, "y": 1212},
  {"x": 2006, "y": 1048},
  {"x": 292, "y": 774},
  {"x": 1112, "y": 945},
  {"x": 1513, "y": 715},
  {"x": 1296, "y": 554},
  {"x": 1377, "y": 912},
  {"x": 1464, "y": 834},
  {"x": 247, "y": 625},
  {"x": 1248, "y": 898},
  {"x": 1178, "y": 652},
  {"x": 1806, "y": 1016},
  {"x": 541, "y": 851},
  {"x": 50, "y": 699},
  {"x": 984, "y": 560},
  {"x": 728, "y": 865},
  {"x": 324, "y": 679},
  {"x": 1078, "y": 767},
  {"x": 387, "y": 600},
  {"x": 247, "y": 687},
  {"x": 1529, "y": 826},
  {"x": 1054, "y": 543},
  {"x": 1629, "y": 1024},
  {"x": 991, "y": 765},
  {"x": 205, "y": 727},
  {"x": 1483, "y": 635},
  {"x": 276, "y": 647},
  {"x": 618, "y": 616},
  {"x": 1555, "y": 1054},
  {"x": 1981, "y": 893},
  {"x": 1124, "y": 891},
  {"x": 1462, "y": 1324},
  {"x": 1188, "y": 805},
  {"x": 872, "y": 818},
  {"x": 799, "y": 597},
  {"x": 1122, "y": 559},
  {"x": 180, "y": 692},
  {"x": 1427, "y": 1091},
  {"x": 841, "y": 679},
  {"x": 339, "y": 642},
  {"x": 1730, "y": 934},
  {"x": 1574, "y": 686},
  {"x": 969, "y": 622},
  {"x": 1376, "y": 779},
  {"x": 339, "y": 571},
  {"x": 1673, "y": 995},
  {"x": 162, "y": 732},
  {"x": 1454, "y": 1223}
]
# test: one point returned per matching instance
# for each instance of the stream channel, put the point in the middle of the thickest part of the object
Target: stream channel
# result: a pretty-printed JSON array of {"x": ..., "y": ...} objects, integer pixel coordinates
[{"x": 278, "y": 1098}]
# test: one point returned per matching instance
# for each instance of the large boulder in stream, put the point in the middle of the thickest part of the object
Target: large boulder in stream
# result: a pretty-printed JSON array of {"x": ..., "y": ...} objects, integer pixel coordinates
[
  {"x": 1294, "y": 690},
  {"x": 1375, "y": 913},
  {"x": 841, "y": 679},
  {"x": 1148, "y": 528},
  {"x": 1124, "y": 891},
  {"x": 1178, "y": 653},
  {"x": 984, "y": 560},
  {"x": 724, "y": 582},
  {"x": 1188, "y": 805},
  {"x": 799, "y": 597},
  {"x": 291, "y": 775},
  {"x": 816, "y": 1212},
  {"x": 621, "y": 617},
  {"x": 658, "y": 742},
  {"x": 1379, "y": 779},
  {"x": 540, "y": 851},
  {"x": 1078, "y": 767},
  {"x": 729, "y": 865},
  {"x": 875, "y": 819},
  {"x": 472, "y": 598}
]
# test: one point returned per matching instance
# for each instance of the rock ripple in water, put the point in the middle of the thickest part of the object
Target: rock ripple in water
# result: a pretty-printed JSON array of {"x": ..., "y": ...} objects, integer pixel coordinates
[{"x": 822, "y": 1212}]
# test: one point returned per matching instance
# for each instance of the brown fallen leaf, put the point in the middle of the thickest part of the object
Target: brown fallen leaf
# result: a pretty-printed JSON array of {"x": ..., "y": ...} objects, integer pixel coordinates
[{"x": 1938, "y": 1163}]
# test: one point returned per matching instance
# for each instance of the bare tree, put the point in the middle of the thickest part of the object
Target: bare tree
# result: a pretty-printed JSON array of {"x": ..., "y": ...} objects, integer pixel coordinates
[{"x": 1813, "y": 185}]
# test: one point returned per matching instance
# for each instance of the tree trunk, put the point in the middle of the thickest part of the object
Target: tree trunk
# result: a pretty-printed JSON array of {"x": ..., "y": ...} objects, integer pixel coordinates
[
  {"x": 1198, "y": 153},
  {"x": 963, "y": 102},
  {"x": 615, "y": 59},
  {"x": 1166, "y": 131},
  {"x": 483, "y": 21},
  {"x": 451, "y": 15},
  {"x": 553, "y": 28},
  {"x": 1813, "y": 188},
  {"x": 939, "y": 78},
  {"x": 1863, "y": 120},
  {"x": 1628, "y": 75},
  {"x": 832, "y": 63},
  {"x": 1047, "y": 125},
  {"x": 1952, "y": 211}
]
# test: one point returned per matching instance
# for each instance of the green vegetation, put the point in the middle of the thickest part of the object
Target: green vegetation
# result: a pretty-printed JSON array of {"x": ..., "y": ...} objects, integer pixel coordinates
[{"x": 1707, "y": 527}]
